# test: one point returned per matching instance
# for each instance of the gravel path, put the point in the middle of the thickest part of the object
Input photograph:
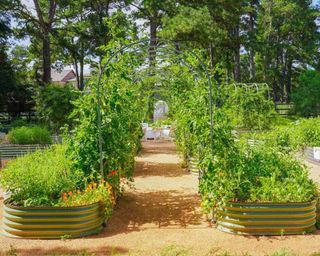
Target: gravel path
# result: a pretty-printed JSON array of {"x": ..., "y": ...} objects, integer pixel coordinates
[{"x": 160, "y": 214}]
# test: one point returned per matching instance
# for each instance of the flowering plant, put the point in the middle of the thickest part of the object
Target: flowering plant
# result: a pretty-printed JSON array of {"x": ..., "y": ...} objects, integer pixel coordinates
[{"x": 101, "y": 192}]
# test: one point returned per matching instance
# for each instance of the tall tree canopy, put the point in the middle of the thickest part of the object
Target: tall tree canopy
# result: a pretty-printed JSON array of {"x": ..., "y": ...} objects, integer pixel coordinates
[{"x": 266, "y": 41}]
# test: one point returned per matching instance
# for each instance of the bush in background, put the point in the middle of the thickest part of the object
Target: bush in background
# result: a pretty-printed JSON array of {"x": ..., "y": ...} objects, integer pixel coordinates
[
  {"x": 29, "y": 135},
  {"x": 249, "y": 107},
  {"x": 54, "y": 105},
  {"x": 307, "y": 95}
]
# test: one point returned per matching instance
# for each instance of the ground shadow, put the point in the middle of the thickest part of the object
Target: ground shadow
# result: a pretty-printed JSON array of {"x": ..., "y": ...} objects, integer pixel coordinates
[
  {"x": 153, "y": 210},
  {"x": 157, "y": 147},
  {"x": 145, "y": 169},
  {"x": 63, "y": 250}
]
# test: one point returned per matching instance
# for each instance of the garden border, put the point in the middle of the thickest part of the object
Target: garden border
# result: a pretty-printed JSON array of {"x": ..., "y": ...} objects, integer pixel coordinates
[
  {"x": 52, "y": 222},
  {"x": 267, "y": 218}
]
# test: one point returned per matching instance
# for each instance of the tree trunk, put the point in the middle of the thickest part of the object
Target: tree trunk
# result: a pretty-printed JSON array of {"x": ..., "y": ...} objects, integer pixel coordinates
[
  {"x": 283, "y": 76},
  {"x": 153, "y": 42},
  {"x": 81, "y": 81},
  {"x": 46, "y": 27},
  {"x": 237, "y": 74},
  {"x": 46, "y": 54},
  {"x": 288, "y": 83},
  {"x": 77, "y": 71},
  {"x": 275, "y": 84},
  {"x": 252, "y": 65}
]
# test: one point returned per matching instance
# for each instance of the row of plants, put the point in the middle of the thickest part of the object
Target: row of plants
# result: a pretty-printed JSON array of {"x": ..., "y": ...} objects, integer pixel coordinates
[
  {"x": 235, "y": 172},
  {"x": 294, "y": 136},
  {"x": 69, "y": 175}
]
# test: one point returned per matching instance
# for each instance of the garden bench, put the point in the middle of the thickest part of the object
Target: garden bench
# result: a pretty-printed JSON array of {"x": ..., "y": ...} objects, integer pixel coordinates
[{"x": 285, "y": 109}]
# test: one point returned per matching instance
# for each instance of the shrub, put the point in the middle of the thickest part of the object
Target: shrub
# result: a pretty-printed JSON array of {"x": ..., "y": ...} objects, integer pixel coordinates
[
  {"x": 256, "y": 174},
  {"x": 18, "y": 123},
  {"x": 39, "y": 178},
  {"x": 29, "y": 135},
  {"x": 54, "y": 105},
  {"x": 122, "y": 114},
  {"x": 249, "y": 107},
  {"x": 294, "y": 136},
  {"x": 307, "y": 95},
  {"x": 309, "y": 131}
]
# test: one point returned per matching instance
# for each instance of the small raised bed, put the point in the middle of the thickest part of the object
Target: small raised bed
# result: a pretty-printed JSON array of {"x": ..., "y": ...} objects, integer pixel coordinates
[
  {"x": 193, "y": 165},
  {"x": 318, "y": 214},
  {"x": 267, "y": 218},
  {"x": 9, "y": 151},
  {"x": 52, "y": 222},
  {"x": 312, "y": 154}
]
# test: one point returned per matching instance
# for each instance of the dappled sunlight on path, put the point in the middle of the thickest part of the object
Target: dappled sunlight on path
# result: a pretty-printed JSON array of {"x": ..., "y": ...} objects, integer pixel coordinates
[
  {"x": 162, "y": 209},
  {"x": 164, "y": 195}
]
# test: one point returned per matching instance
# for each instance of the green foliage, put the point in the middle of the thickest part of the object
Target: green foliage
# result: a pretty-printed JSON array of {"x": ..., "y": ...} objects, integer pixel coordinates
[
  {"x": 309, "y": 131},
  {"x": 256, "y": 174},
  {"x": 93, "y": 193},
  {"x": 248, "y": 106},
  {"x": 18, "y": 123},
  {"x": 54, "y": 105},
  {"x": 39, "y": 178},
  {"x": 293, "y": 136},
  {"x": 121, "y": 112},
  {"x": 29, "y": 135},
  {"x": 307, "y": 94}
]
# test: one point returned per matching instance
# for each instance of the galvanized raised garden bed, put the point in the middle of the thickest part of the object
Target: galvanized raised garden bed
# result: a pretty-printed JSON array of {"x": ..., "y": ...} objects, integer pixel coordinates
[
  {"x": 52, "y": 222},
  {"x": 267, "y": 218}
]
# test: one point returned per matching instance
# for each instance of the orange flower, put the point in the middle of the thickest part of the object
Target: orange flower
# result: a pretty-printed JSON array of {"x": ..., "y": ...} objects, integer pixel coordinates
[
  {"x": 70, "y": 193},
  {"x": 114, "y": 172}
]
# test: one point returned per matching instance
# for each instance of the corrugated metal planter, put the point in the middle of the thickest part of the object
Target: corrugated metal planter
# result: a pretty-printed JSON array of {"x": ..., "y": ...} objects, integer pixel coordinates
[
  {"x": 193, "y": 165},
  {"x": 52, "y": 222},
  {"x": 318, "y": 214},
  {"x": 267, "y": 218},
  {"x": 312, "y": 154}
]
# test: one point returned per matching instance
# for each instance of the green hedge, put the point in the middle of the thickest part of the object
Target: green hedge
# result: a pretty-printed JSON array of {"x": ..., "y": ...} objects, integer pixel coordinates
[{"x": 29, "y": 135}]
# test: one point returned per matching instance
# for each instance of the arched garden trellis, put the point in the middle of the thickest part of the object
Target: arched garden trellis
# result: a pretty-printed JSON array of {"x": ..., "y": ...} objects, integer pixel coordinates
[{"x": 143, "y": 45}]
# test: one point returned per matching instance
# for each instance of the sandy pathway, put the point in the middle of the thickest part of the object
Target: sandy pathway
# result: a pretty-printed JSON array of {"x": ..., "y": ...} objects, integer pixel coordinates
[{"x": 160, "y": 212}]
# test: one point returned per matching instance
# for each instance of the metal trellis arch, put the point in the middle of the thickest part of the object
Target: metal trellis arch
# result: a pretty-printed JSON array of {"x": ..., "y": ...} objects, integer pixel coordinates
[{"x": 144, "y": 45}]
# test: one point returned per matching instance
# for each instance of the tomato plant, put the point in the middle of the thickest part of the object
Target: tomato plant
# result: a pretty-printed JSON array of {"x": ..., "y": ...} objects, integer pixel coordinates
[{"x": 122, "y": 113}]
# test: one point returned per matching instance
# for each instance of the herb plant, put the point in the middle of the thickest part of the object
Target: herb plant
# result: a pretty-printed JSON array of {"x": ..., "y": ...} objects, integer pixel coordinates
[
  {"x": 39, "y": 178},
  {"x": 29, "y": 135}
]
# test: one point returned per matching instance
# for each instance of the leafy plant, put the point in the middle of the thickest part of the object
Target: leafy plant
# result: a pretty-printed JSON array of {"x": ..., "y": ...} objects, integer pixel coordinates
[
  {"x": 307, "y": 94},
  {"x": 122, "y": 112},
  {"x": 54, "y": 105},
  {"x": 39, "y": 178},
  {"x": 18, "y": 123},
  {"x": 101, "y": 192},
  {"x": 248, "y": 106},
  {"x": 293, "y": 136},
  {"x": 260, "y": 174},
  {"x": 29, "y": 135}
]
